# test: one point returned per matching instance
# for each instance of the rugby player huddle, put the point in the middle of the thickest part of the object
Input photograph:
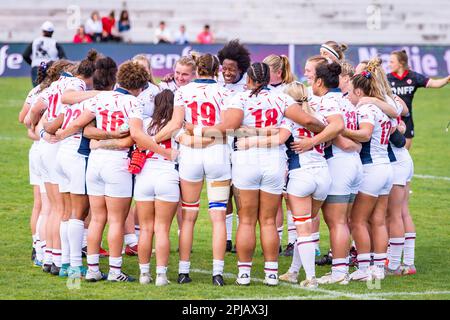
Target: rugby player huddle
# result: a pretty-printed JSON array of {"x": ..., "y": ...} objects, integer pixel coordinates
[{"x": 105, "y": 135}]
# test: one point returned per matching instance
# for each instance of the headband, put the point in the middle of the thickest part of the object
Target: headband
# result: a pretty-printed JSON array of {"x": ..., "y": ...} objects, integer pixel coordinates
[{"x": 331, "y": 50}]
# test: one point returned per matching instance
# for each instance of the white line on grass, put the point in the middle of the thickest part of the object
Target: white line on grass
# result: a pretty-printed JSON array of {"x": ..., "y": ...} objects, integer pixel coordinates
[
  {"x": 334, "y": 293},
  {"x": 423, "y": 176},
  {"x": 328, "y": 294}
]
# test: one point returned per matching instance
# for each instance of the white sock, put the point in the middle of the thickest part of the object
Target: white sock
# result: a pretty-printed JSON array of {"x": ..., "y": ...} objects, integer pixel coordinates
[
  {"x": 75, "y": 232},
  {"x": 316, "y": 238},
  {"x": 244, "y": 267},
  {"x": 271, "y": 267},
  {"x": 305, "y": 247},
  {"x": 408, "y": 251},
  {"x": 292, "y": 231},
  {"x": 56, "y": 257},
  {"x": 40, "y": 249},
  {"x": 388, "y": 252},
  {"x": 296, "y": 263},
  {"x": 395, "y": 252},
  {"x": 93, "y": 262},
  {"x": 65, "y": 244},
  {"x": 48, "y": 255},
  {"x": 34, "y": 237},
  {"x": 339, "y": 267},
  {"x": 137, "y": 230},
  {"x": 363, "y": 261},
  {"x": 379, "y": 259},
  {"x": 161, "y": 269},
  {"x": 85, "y": 234},
  {"x": 131, "y": 239},
  {"x": 218, "y": 267},
  {"x": 184, "y": 266},
  {"x": 144, "y": 267},
  {"x": 280, "y": 234},
  {"x": 115, "y": 264},
  {"x": 229, "y": 226}
]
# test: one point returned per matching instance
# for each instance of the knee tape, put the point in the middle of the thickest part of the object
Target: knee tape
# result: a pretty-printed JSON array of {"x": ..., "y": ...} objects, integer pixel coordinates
[
  {"x": 193, "y": 206},
  {"x": 218, "y": 191},
  {"x": 299, "y": 220}
]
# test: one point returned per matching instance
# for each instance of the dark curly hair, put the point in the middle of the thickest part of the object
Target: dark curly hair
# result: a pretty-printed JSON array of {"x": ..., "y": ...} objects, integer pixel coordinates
[
  {"x": 235, "y": 51},
  {"x": 105, "y": 73},
  {"x": 132, "y": 75}
]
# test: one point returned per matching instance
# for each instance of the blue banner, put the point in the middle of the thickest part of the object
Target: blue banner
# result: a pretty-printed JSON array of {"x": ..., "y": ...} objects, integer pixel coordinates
[{"x": 432, "y": 61}]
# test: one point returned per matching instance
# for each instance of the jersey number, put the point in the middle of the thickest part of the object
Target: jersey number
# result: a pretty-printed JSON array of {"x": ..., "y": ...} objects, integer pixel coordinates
[
  {"x": 113, "y": 119},
  {"x": 302, "y": 132},
  {"x": 165, "y": 144},
  {"x": 52, "y": 103},
  {"x": 70, "y": 115},
  {"x": 385, "y": 132},
  {"x": 270, "y": 118},
  {"x": 207, "y": 113}
]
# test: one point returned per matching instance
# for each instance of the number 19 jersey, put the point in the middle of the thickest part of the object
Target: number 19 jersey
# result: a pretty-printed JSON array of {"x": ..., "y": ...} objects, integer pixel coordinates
[{"x": 203, "y": 101}]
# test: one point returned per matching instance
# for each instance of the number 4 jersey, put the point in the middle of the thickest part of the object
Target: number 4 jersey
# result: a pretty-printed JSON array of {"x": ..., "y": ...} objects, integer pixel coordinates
[{"x": 374, "y": 151}]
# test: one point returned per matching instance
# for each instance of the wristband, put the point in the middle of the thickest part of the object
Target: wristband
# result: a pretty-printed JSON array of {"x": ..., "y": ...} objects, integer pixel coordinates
[
  {"x": 198, "y": 131},
  {"x": 41, "y": 133}
]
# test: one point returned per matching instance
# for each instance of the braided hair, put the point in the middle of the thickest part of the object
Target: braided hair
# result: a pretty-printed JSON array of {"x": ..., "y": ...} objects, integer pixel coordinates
[
  {"x": 207, "y": 64},
  {"x": 259, "y": 72}
]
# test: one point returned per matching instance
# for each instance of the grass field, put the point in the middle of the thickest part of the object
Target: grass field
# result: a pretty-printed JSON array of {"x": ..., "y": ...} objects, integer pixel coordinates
[{"x": 430, "y": 203}]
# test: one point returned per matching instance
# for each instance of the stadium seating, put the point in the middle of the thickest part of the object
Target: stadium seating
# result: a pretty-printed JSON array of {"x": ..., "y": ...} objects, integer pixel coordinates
[{"x": 254, "y": 21}]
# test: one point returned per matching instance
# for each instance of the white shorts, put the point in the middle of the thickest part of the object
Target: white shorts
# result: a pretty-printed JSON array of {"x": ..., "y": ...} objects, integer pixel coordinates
[
  {"x": 34, "y": 163},
  {"x": 377, "y": 179},
  {"x": 346, "y": 174},
  {"x": 313, "y": 182},
  {"x": 48, "y": 152},
  {"x": 107, "y": 174},
  {"x": 403, "y": 172},
  {"x": 258, "y": 171},
  {"x": 72, "y": 169},
  {"x": 157, "y": 181},
  {"x": 212, "y": 162}
]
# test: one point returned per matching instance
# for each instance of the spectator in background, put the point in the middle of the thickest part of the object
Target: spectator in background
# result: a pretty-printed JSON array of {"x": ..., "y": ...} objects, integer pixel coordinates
[
  {"x": 205, "y": 37},
  {"x": 109, "y": 28},
  {"x": 162, "y": 34},
  {"x": 42, "y": 49},
  {"x": 81, "y": 36},
  {"x": 124, "y": 26},
  {"x": 181, "y": 37},
  {"x": 94, "y": 27}
]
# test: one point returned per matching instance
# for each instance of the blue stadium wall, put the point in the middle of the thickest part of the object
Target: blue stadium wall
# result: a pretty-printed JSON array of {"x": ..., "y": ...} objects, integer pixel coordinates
[{"x": 433, "y": 61}]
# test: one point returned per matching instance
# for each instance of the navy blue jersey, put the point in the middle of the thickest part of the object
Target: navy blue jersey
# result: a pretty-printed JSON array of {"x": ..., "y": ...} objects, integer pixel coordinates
[{"x": 405, "y": 85}]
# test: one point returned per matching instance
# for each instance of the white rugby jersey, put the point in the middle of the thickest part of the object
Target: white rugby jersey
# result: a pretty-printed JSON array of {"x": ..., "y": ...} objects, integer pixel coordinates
[
  {"x": 156, "y": 158},
  {"x": 33, "y": 95},
  {"x": 279, "y": 88},
  {"x": 375, "y": 150},
  {"x": 348, "y": 111},
  {"x": 233, "y": 88},
  {"x": 310, "y": 158},
  {"x": 76, "y": 143},
  {"x": 114, "y": 108},
  {"x": 147, "y": 98},
  {"x": 52, "y": 97},
  {"x": 397, "y": 154},
  {"x": 203, "y": 101},
  {"x": 261, "y": 111},
  {"x": 172, "y": 86},
  {"x": 313, "y": 100}
]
